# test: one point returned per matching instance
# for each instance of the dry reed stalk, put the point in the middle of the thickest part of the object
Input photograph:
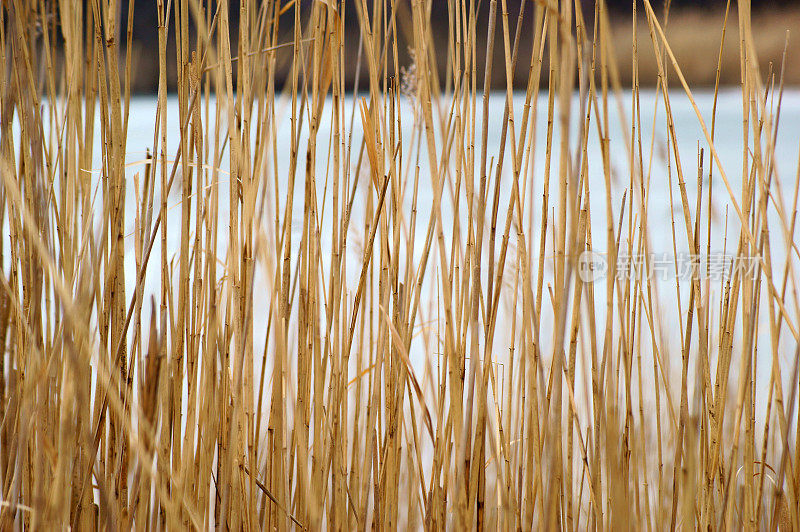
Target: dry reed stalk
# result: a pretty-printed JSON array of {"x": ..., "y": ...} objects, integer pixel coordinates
[{"x": 393, "y": 329}]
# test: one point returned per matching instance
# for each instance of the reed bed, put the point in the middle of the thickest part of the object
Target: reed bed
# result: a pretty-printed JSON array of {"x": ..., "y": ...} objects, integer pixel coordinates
[{"x": 352, "y": 306}]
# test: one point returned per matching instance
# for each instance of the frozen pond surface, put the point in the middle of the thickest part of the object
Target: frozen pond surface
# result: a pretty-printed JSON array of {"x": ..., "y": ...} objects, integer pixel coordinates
[{"x": 661, "y": 208}]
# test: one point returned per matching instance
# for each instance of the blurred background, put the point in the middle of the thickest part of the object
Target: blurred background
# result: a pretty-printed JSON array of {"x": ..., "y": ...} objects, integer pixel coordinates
[{"x": 693, "y": 27}]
